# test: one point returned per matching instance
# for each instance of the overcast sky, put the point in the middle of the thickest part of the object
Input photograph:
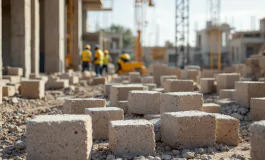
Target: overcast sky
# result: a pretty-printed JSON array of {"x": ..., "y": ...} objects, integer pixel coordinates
[{"x": 238, "y": 13}]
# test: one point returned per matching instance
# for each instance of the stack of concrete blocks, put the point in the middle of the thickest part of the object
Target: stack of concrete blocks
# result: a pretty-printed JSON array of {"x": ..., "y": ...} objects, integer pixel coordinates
[
  {"x": 144, "y": 102},
  {"x": 171, "y": 85},
  {"x": 211, "y": 108},
  {"x": 181, "y": 101},
  {"x": 12, "y": 79},
  {"x": 207, "y": 85},
  {"x": 158, "y": 71},
  {"x": 134, "y": 77},
  {"x": 78, "y": 105},
  {"x": 132, "y": 137},
  {"x": 72, "y": 79},
  {"x": 167, "y": 77},
  {"x": 148, "y": 79},
  {"x": 101, "y": 118},
  {"x": 188, "y": 129},
  {"x": 34, "y": 89},
  {"x": 150, "y": 86},
  {"x": 99, "y": 80},
  {"x": 227, "y": 80},
  {"x": 227, "y": 130},
  {"x": 59, "y": 137},
  {"x": 120, "y": 92},
  {"x": 191, "y": 74},
  {"x": 252, "y": 67},
  {"x": 257, "y": 109},
  {"x": 257, "y": 139},
  {"x": 8, "y": 90},
  {"x": 245, "y": 90},
  {"x": 107, "y": 88},
  {"x": 227, "y": 93},
  {"x": 240, "y": 68},
  {"x": 15, "y": 71},
  {"x": 123, "y": 105},
  {"x": 174, "y": 71}
]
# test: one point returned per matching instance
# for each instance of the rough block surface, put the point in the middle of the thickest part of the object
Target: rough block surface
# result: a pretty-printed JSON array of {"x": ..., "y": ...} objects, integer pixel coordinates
[
  {"x": 123, "y": 105},
  {"x": 189, "y": 129},
  {"x": 164, "y": 78},
  {"x": 211, "y": 108},
  {"x": 107, "y": 88},
  {"x": 78, "y": 105},
  {"x": 171, "y": 85},
  {"x": 207, "y": 85},
  {"x": 59, "y": 137},
  {"x": 148, "y": 79},
  {"x": 227, "y": 93},
  {"x": 9, "y": 91},
  {"x": 101, "y": 118},
  {"x": 33, "y": 89},
  {"x": 132, "y": 137},
  {"x": 99, "y": 80},
  {"x": 181, "y": 101},
  {"x": 15, "y": 71},
  {"x": 150, "y": 86},
  {"x": 227, "y": 80},
  {"x": 257, "y": 109},
  {"x": 257, "y": 139}
]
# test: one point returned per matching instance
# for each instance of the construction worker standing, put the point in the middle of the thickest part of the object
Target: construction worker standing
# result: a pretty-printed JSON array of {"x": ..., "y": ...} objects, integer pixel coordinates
[
  {"x": 86, "y": 58},
  {"x": 106, "y": 61},
  {"x": 98, "y": 60}
]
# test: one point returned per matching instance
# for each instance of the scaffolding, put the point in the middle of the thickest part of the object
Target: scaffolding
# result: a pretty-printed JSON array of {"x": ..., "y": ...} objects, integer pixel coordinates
[{"x": 182, "y": 32}]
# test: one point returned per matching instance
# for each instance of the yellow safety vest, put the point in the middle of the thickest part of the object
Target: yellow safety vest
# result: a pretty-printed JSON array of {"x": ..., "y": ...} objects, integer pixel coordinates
[
  {"x": 106, "y": 59},
  {"x": 86, "y": 56},
  {"x": 99, "y": 55}
]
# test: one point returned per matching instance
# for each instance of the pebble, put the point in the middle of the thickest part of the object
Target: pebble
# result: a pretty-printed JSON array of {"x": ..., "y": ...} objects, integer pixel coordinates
[
  {"x": 20, "y": 145},
  {"x": 110, "y": 157},
  {"x": 14, "y": 100},
  {"x": 176, "y": 152},
  {"x": 139, "y": 158},
  {"x": 201, "y": 151},
  {"x": 166, "y": 157},
  {"x": 168, "y": 148},
  {"x": 187, "y": 155}
]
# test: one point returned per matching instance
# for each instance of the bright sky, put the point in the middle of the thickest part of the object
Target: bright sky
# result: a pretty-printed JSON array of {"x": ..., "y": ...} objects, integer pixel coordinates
[{"x": 238, "y": 13}]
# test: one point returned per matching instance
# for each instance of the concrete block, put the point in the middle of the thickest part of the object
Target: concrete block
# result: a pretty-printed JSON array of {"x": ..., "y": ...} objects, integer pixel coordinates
[
  {"x": 174, "y": 71},
  {"x": 132, "y": 137},
  {"x": 134, "y": 77},
  {"x": 207, "y": 85},
  {"x": 257, "y": 109},
  {"x": 99, "y": 80},
  {"x": 151, "y": 116},
  {"x": 34, "y": 89},
  {"x": 164, "y": 78},
  {"x": 227, "y": 80},
  {"x": 245, "y": 90},
  {"x": 209, "y": 73},
  {"x": 9, "y": 91},
  {"x": 227, "y": 130},
  {"x": 158, "y": 90},
  {"x": 87, "y": 75},
  {"x": 150, "y": 86},
  {"x": 191, "y": 74},
  {"x": 59, "y": 137},
  {"x": 158, "y": 71},
  {"x": 257, "y": 138},
  {"x": 171, "y": 85},
  {"x": 144, "y": 102},
  {"x": 189, "y": 129},
  {"x": 78, "y": 105},
  {"x": 101, "y": 118},
  {"x": 107, "y": 88},
  {"x": 58, "y": 84},
  {"x": 211, "y": 108},
  {"x": 148, "y": 79},
  {"x": 72, "y": 79},
  {"x": 194, "y": 67},
  {"x": 120, "y": 92},
  {"x": 12, "y": 79},
  {"x": 181, "y": 101},
  {"x": 124, "y": 106},
  {"x": 227, "y": 93},
  {"x": 15, "y": 71}
]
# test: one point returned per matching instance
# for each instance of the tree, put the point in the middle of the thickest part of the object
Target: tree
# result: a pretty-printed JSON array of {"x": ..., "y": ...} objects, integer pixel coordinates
[
  {"x": 169, "y": 44},
  {"x": 128, "y": 38}
]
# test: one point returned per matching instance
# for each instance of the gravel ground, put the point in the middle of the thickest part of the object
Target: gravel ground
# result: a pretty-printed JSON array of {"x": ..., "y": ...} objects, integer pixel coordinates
[{"x": 16, "y": 111}]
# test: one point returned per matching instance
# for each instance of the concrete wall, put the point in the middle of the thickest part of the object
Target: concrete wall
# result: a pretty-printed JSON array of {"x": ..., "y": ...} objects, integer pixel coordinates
[{"x": 6, "y": 33}]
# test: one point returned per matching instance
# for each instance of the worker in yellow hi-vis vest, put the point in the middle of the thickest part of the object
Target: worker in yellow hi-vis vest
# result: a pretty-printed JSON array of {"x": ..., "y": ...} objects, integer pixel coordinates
[
  {"x": 106, "y": 61},
  {"x": 86, "y": 58},
  {"x": 98, "y": 60}
]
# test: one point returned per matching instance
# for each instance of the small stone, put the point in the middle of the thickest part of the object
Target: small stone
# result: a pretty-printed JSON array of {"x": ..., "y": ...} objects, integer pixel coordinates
[
  {"x": 110, "y": 157},
  {"x": 237, "y": 116},
  {"x": 167, "y": 148},
  {"x": 245, "y": 148},
  {"x": 188, "y": 155},
  {"x": 150, "y": 158},
  {"x": 206, "y": 157},
  {"x": 20, "y": 145},
  {"x": 139, "y": 158},
  {"x": 14, "y": 100},
  {"x": 238, "y": 156},
  {"x": 157, "y": 158},
  {"x": 243, "y": 110},
  {"x": 166, "y": 157},
  {"x": 210, "y": 150},
  {"x": 201, "y": 151},
  {"x": 176, "y": 152},
  {"x": 244, "y": 133}
]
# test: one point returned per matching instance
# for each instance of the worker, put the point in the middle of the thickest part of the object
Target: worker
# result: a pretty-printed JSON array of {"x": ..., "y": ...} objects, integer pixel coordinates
[
  {"x": 106, "y": 61},
  {"x": 86, "y": 58},
  {"x": 98, "y": 60},
  {"x": 124, "y": 58}
]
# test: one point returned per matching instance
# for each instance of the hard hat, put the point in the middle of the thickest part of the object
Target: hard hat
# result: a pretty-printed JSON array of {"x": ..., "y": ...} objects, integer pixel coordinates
[
  {"x": 96, "y": 46},
  {"x": 125, "y": 56},
  {"x": 106, "y": 51},
  {"x": 87, "y": 46}
]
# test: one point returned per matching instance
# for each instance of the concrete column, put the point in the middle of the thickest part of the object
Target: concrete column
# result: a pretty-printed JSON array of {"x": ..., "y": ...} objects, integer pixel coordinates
[
  {"x": 77, "y": 33},
  {"x": 35, "y": 36},
  {"x": 20, "y": 34},
  {"x": 1, "y": 62},
  {"x": 54, "y": 36},
  {"x": 84, "y": 20}
]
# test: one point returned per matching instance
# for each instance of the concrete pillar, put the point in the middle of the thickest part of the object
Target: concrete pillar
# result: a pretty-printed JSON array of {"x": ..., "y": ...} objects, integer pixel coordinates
[
  {"x": 35, "y": 36},
  {"x": 84, "y": 20},
  {"x": 20, "y": 34},
  {"x": 54, "y": 36},
  {"x": 77, "y": 33},
  {"x": 1, "y": 62}
]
